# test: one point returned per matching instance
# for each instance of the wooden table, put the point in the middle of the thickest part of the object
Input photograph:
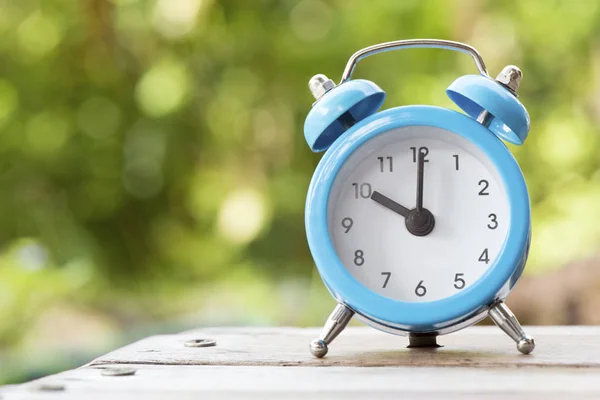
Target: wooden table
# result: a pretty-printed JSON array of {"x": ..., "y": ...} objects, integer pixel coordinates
[{"x": 274, "y": 363}]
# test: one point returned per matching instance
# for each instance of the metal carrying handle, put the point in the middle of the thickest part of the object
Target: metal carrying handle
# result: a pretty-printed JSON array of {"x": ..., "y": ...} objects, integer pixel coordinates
[{"x": 413, "y": 44}]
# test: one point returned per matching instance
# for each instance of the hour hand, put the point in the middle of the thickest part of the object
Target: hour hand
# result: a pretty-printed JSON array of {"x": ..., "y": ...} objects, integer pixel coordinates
[{"x": 390, "y": 204}]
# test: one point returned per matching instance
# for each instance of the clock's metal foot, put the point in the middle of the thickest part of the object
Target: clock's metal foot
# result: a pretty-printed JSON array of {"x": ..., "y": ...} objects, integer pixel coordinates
[
  {"x": 506, "y": 320},
  {"x": 422, "y": 340},
  {"x": 336, "y": 323}
]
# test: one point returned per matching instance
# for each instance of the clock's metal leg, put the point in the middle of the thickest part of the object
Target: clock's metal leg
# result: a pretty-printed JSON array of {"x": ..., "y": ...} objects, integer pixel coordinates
[
  {"x": 506, "y": 320},
  {"x": 422, "y": 340},
  {"x": 336, "y": 323}
]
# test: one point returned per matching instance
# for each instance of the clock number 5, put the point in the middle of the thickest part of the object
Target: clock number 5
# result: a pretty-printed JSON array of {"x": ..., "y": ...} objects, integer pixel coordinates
[
  {"x": 459, "y": 282},
  {"x": 420, "y": 290}
]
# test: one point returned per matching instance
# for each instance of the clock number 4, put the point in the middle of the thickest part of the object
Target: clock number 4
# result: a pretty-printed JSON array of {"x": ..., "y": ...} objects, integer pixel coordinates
[
  {"x": 387, "y": 278},
  {"x": 382, "y": 164},
  {"x": 363, "y": 190},
  {"x": 484, "y": 257}
]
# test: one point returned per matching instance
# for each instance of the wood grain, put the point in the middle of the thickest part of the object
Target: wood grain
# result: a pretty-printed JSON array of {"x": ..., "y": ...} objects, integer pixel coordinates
[
  {"x": 274, "y": 363},
  {"x": 484, "y": 346}
]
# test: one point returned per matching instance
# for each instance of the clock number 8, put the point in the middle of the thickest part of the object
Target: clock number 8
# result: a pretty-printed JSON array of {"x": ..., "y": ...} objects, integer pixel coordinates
[{"x": 359, "y": 257}]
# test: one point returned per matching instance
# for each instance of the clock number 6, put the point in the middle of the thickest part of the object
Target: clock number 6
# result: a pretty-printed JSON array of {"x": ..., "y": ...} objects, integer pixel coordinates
[{"x": 420, "y": 290}]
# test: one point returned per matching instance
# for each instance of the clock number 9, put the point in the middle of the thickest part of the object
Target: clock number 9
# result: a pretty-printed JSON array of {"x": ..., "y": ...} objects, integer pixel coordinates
[
  {"x": 347, "y": 223},
  {"x": 359, "y": 257},
  {"x": 420, "y": 290}
]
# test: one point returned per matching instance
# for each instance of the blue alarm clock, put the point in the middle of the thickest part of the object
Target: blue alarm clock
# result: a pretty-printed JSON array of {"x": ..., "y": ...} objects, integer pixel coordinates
[{"x": 418, "y": 217}]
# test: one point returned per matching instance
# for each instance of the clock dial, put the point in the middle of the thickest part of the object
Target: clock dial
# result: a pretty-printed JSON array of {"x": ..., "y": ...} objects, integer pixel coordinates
[{"x": 418, "y": 214}]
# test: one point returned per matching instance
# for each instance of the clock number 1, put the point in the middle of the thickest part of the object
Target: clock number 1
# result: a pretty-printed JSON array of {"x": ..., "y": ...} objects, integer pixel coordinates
[{"x": 456, "y": 161}]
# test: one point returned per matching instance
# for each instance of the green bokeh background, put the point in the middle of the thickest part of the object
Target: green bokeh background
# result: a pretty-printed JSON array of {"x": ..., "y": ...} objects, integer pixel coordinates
[{"x": 153, "y": 168}]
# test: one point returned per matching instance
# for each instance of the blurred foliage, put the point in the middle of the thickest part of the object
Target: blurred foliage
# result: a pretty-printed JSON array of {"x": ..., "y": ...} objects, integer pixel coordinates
[{"x": 153, "y": 166}]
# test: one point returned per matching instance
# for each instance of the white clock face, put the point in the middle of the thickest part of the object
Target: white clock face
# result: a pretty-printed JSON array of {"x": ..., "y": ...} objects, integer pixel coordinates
[{"x": 412, "y": 253}]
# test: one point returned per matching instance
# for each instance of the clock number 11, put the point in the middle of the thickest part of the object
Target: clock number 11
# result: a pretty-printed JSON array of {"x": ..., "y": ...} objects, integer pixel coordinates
[{"x": 382, "y": 164}]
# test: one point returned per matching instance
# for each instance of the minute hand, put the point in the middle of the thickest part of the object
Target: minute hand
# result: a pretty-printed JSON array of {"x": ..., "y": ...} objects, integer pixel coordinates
[
  {"x": 420, "y": 173},
  {"x": 390, "y": 204}
]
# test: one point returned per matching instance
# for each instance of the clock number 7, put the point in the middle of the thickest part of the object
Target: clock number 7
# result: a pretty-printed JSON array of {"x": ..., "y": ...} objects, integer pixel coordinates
[
  {"x": 382, "y": 163},
  {"x": 387, "y": 278}
]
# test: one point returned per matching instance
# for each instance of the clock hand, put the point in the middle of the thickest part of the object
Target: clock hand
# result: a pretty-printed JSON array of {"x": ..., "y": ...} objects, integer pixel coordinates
[
  {"x": 420, "y": 173},
  {"x": 390, "y": 204},
  {"x": 420, "y": 221}
]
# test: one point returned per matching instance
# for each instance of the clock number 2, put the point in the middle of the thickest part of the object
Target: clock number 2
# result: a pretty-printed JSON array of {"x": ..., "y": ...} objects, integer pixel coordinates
[{"x": 484, "y": 186}]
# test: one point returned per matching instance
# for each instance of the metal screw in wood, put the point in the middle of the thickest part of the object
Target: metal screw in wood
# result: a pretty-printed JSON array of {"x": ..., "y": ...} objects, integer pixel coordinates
[
  {"x": 118, "y": 371},
  {"x": 200, "y": 343},
  {"x": 49, "y": 387}
]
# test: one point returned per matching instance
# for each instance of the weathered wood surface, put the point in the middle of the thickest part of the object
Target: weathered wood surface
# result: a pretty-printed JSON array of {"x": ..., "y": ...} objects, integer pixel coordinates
[{"x": 265, "y": 363}]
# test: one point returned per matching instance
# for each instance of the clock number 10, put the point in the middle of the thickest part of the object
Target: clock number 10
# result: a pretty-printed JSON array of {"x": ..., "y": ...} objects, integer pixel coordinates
[{"x": 363, "y": 190}]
